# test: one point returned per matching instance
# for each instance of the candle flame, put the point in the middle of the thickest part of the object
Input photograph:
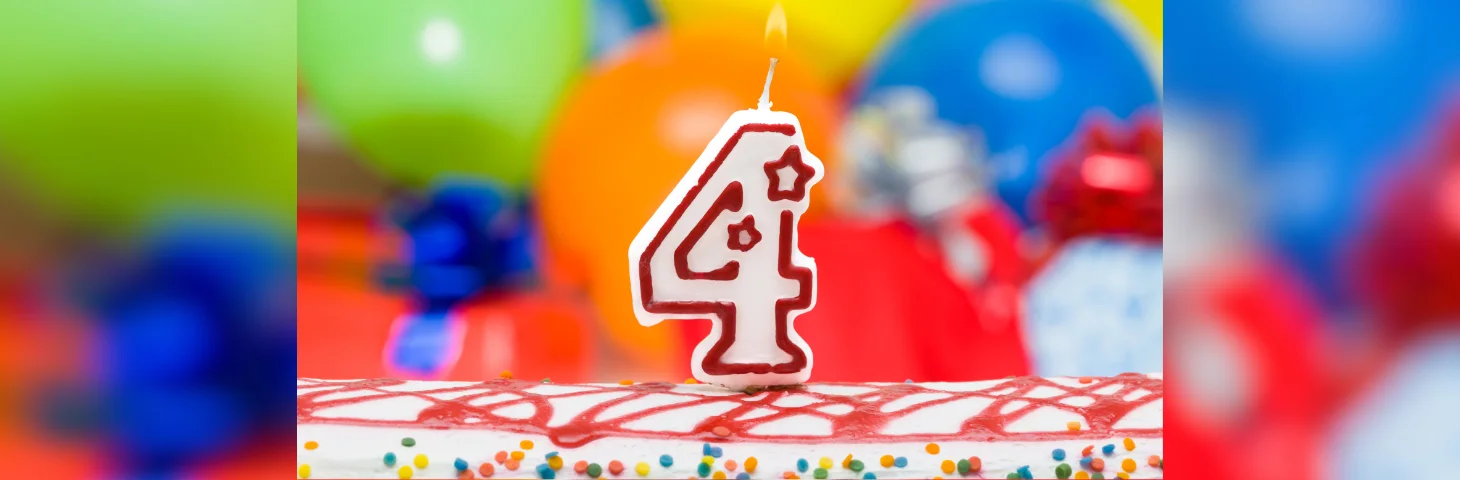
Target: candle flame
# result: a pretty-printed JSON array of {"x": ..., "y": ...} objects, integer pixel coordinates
[{"x": 775, "y": 31}]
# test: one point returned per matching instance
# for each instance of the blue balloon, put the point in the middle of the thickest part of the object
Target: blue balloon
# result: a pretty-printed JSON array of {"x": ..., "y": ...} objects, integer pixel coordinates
[
  {"x": 1023, "y": 72},
  {"x": 468, "y": 237},
  {"x": 1329, "y": 97},
  {"x": 615, "y": 22}
]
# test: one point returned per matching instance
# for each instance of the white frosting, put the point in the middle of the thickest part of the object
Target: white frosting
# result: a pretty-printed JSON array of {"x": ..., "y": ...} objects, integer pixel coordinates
[
  {"x": 351, "y": 451},
  {"x": 356, "y": 452},
  {"x": 641, "y": 404}
]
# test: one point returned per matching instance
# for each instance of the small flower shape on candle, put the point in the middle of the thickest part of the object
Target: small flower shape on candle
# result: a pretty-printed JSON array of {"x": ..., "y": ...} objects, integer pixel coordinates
[{"x": 743, "y": 235}]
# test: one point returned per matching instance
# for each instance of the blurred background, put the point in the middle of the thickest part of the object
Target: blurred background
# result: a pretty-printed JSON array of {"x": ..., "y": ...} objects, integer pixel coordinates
[{"x": 466, "y": 177}]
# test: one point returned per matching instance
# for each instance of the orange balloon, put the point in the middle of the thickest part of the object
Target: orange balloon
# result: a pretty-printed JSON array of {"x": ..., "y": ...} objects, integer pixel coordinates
[{"x": 624, "y": 139}]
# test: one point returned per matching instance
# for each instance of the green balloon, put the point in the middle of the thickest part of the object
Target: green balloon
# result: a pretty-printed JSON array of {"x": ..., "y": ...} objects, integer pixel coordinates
[
  {"x": 429, "y": 88},
  {"x": 113, "y": 112}
]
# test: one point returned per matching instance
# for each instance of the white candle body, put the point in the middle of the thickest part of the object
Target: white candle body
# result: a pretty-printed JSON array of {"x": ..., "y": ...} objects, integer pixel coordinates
[{"x": 723, "y": 246}]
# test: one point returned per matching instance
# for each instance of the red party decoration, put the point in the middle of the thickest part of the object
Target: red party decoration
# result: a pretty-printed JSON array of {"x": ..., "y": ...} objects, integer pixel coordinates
[
  {"x": 1410, "y": 261},
  {"x": 896, "y": 314},
  {"x": 1107, "y": 181}
]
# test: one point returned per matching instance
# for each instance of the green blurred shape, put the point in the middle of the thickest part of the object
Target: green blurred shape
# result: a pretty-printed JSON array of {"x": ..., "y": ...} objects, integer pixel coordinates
[
  {"x": 430, "y": 88},
  {"x": 114, "y": 112}
]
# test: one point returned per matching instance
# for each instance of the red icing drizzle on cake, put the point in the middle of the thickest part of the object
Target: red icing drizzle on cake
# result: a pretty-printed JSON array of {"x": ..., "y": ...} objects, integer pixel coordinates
[{"x": 863, "y": 424}]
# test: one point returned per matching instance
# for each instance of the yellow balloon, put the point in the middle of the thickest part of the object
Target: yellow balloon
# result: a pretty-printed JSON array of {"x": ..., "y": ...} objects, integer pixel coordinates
[
  {"x": 835, "y": 35},
  {"x": 1147, "y": 13}
]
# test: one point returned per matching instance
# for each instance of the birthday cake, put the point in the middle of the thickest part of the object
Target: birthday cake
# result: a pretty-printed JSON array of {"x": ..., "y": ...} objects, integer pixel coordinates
[{"x": 1022, "y": 427}]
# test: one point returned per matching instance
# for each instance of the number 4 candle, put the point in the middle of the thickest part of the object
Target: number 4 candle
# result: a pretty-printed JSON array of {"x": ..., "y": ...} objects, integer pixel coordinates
[{"x": 723, "y": 247}]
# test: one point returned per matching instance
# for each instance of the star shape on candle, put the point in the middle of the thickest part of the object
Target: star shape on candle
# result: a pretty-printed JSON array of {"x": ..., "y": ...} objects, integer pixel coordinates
[
  {"x": 743, "y": 235},
  {"x": 789, "y": 176}
]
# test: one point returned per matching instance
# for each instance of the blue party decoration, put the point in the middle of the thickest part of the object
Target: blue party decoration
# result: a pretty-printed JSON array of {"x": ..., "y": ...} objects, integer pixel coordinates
[
  {"x": 1096, "y": 309},
  {"x": 1021, "y": 72},
  {"x": 196, "y": 343},
  {"x": 467, "y": 238}
]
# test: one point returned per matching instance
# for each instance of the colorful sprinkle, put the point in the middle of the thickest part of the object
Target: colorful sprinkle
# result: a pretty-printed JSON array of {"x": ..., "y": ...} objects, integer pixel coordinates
[
  {"x": 730, "y": 465},
  {"x": 1122, "y": 475},
  {"x": 1097, "y": 464},
  {"x": 594, "y": 470},
  {"x": 717, "y": 452},
  {"x": 1086, "y": 379},
  {"x": 932, "y": 448},
  {"x": 847, "y": 462},
  {"x": 408, "y": 442},
  {"x": 964, "y": 467},
  {"x": 466, "y": 475},
  {"x": 1012, "y": 476},
  {"x": 304, "y": 471},
  {"x": 625, "y": 382},
  {"x": 1024, "y": 473},
  {"x": 886, "y": 461},
  {"x": 1059, "y": 454},
  {"x": 550, "y": 455},
  {"x": 1082, "y": 475},
  {"x": 900, "y": 462},
  {"x": 505, "y": 374},
  {"x": 525, "y": 444},
  {"x": 690, "y": 381},
  {"x": 486, "y": 470},
  {"x": 1073, "y": 426},
  {"x": 789, "y": 475},
  {"x": 311, "y": 445},
  {"x": 857, "y": 465},
  {"x": 615, "y": 467},
  {"x": 824, "y": 463},
  {"x": 547, "y": 380},
  {"x": 1154, "y": 461},
  {"x": 705, "y": 449},
  {"x": 390, "y": 459},
  {"x": 1130, "y": 445},
  {"x": 1085, "y": 462},
  {"x": 742, "y": 476},
  {"x": 720, "y": 431},
  {"x": 718, "y": 476},
  {"x": 501, "y": 456},
  {"x": 666, "y": 460},
  {"x": 641, "y": 468},
  {"x": 1128, "y": 465},
  {"x": 460, "y": 465},
  {"x": 750, "y": 464},
  {"x": 975, "y": 464},
  {"x": 907, "y": 381},
  {"x": 948, "y": 466},
  {"x": 421, "y": 461},
  {"x": 518, "y": 455},
  {"x": 869, "y": 476},
  {"x": 703, "y": 469},
  {"x": 1062, "y": 471},
  {"x": 579, "y": 467},
  {"x": 512, "y": 465},
  {"x": 819, "y": 473},
  {"x": 1087, "y": 451},
  {"x": 405, "y": 472},
  {"x": 1097, "y": 476},
  {"x": 1108, "y": 449},
  {"x": 802, "y": 465},
  {"x": 546, "y": 472}
]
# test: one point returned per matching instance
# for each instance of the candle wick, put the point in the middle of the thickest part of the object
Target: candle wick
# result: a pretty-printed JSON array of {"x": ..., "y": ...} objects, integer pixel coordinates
[{"x": 765, "y": 94}]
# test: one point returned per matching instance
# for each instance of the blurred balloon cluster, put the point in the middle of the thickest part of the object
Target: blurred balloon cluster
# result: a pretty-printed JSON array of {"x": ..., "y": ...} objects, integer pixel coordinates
[
  {"x": 937, "y": 122},
  {"x": 1310, "y": 282}
]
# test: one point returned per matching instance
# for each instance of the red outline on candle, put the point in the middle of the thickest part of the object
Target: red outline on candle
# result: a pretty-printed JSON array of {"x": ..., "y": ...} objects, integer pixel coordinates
[
  {"x": 713, "y": 363},
  {"x": 730, "y": 200},
  {"x": 746, "y": 226},
  {"x": 804, "y": 172}
]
